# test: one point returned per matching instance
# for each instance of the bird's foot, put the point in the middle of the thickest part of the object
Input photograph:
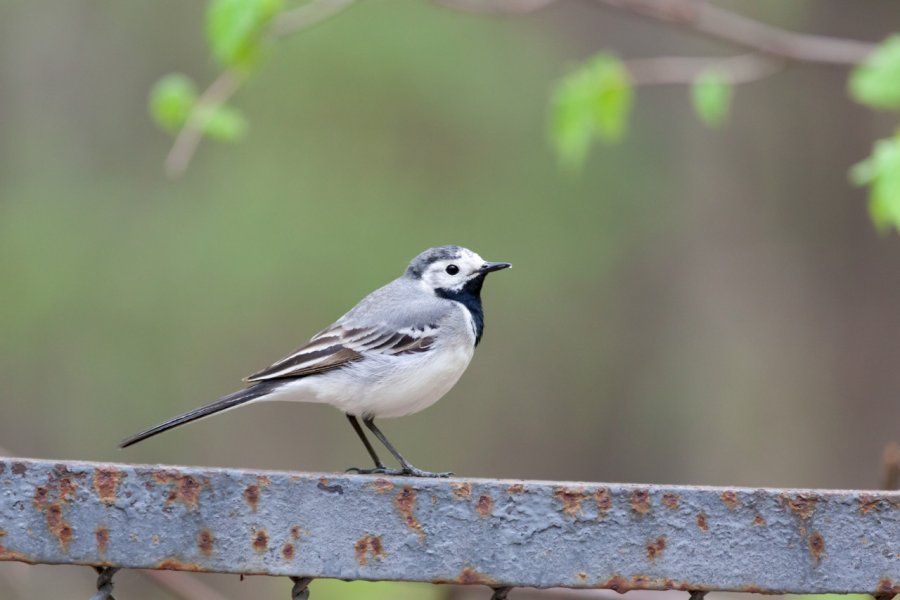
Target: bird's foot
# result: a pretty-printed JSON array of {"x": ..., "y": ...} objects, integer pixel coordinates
[
  {"x": 408, "y": 471},
  {"x": 379, "y": 470},
  {"x": 411, "y": 471}
]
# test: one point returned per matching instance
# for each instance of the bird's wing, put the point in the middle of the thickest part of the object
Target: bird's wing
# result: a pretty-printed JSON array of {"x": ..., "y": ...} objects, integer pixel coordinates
[{"x": 341, "y": 345}]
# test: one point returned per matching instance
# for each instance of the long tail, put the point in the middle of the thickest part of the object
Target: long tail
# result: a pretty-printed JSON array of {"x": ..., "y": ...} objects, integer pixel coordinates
[{"x": 217, "y": 406}]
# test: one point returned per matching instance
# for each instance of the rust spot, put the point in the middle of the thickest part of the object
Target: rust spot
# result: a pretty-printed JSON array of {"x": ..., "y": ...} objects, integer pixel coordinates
[
  {"x": 656, "y": 547},
  {"x": 701, "y": 522},
  {"x": 759, "y": 520},
  {"x": 730, "y": 499},
  {"x": 287, "y": 551},
  {"x": 106, "y": 484},
  {"x": 581, "y": 575},
  {"x": 640, "y": 501},
  {"x": 816, "y": 545},
  {"x": 886, "y": 586},
  {"x": 671, "y": 501},
  {"x": 617, "y": 583},
  {"x": 251, "y": 496},
  {"x": 485, "y": 505},
  {"x": 66, "y": 489},
  {"x": 604, "y": 502},
  {"x": 185, "y": 488},
  {"x": 101, "y": 534},
  {"x": 869, "y": 504},
  {"x": 461, "y": 491},
  {"x": 58, "y": 526},
  {"x": 205, "y": 542},
  {"x": 261, "y": 540},
  {"x": 801, "y": 505},
  {"x": 380, "y": 485},
  {"x": 19, "y": 468},
  {"x": 516, "y": 488},
  {"x": 405, "y": 501},
  {"x": 331, "y": 489},
  {"x": 173, "y": 564},
  {"x": 469, "y": 576},
  {"x": 295, "y": 532},
  {"x": 571, "y": 499},
  {"x": 39, "y": 500},
  {"x": 366, "y": 547}
]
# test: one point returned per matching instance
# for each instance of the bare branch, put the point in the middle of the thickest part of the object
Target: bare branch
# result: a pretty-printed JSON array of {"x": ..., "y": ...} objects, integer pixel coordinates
[
  {"x": 724, "y": 25},
  {"x": 680, "y": 70},
  {"x": 229, "y": 82},
  {"x": 304, "y": 17},
  {"x": 188, "y": 138},
  {"x": 495, "y": 7}
]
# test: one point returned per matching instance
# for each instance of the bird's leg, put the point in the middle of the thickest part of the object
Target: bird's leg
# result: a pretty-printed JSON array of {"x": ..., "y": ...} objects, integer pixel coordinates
[
  {"x": 407, "y": 469},
  {"x": 379, "y": 466}
]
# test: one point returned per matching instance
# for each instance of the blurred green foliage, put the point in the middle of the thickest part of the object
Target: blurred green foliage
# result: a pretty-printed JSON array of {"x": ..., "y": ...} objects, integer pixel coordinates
[
  {"x": 881, "y": 173},
  {"x": 171, "y": 101},
  {"x": 592, "y": 102},
  {"x": 683, "y": 294},
  {"x": 235, "y": 30},
  {"x": 711, "y": 95},
  {"x": 876, "y": 82}
]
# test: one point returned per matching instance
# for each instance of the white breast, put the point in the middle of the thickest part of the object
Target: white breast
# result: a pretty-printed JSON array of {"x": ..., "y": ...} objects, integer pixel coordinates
[{"x": 388, "y": 386}]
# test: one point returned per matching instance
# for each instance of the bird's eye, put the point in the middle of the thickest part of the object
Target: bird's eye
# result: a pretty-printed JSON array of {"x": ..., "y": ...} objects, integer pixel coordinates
[{"x": 452, "y": 269}]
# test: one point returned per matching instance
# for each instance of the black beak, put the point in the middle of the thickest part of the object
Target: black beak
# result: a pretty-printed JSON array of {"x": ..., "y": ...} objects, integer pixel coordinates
[{"x": 490, "y": 267}]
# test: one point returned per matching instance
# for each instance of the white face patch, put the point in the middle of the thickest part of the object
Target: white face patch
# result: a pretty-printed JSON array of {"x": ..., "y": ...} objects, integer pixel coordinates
[{"x": 453, "y": 273}]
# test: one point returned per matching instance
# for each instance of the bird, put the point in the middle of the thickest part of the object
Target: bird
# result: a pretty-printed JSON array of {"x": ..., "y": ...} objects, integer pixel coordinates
[{"x": 395, "y": 353}]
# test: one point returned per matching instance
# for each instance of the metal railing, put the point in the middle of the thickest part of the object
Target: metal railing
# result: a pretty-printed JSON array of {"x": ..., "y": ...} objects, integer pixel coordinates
[{"x": 496, "y": 533}]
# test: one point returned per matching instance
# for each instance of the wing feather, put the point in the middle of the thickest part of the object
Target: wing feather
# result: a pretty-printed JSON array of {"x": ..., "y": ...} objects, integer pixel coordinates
[{"x": 339, "y": 346}]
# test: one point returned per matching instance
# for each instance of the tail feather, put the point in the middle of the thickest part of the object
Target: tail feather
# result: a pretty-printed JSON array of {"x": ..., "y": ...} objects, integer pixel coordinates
[{"x": 217, "y": 406}]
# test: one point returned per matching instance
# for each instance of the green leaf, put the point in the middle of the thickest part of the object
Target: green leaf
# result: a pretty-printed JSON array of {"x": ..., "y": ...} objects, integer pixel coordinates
[
  {"x": 171, "y": 101},
  {"x": 614, "y": 96},
  {"x": 711, "y": 95},
  {"x": 876, "y": 82},
  {"x": 881, "y": 172},
  {"x": 234, "y": 30},
  {"x": 592, "y": 102},
  {"x": 222, "y": 123}
]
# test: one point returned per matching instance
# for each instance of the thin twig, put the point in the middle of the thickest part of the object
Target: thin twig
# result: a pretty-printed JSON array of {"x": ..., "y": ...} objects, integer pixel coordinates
[
  {"x": 304, "y": 17},
  {"x": 724, "y": 25},
  {"x": 711, "y": 21},
  {"x": 680, "y": 70},
  {"x": 495, "y": 7},
  {"x": 188, "y": 138},
  {"x": 229, "y": 82}
]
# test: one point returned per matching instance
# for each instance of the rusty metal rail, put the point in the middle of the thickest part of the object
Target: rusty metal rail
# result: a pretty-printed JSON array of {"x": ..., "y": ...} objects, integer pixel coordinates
[{"x": 472, "y": 531}]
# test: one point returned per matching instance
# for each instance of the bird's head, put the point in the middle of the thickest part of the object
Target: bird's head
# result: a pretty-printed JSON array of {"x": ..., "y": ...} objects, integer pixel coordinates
[{"x": 451, "y": 268}]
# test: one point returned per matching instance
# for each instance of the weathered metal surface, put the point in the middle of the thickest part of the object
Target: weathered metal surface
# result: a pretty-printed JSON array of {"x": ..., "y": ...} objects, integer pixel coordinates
[{"x": 497, "y": 533}]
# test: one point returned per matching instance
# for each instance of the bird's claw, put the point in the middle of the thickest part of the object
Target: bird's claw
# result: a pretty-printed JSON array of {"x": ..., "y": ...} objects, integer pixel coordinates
[
  {"x": 404, "y": 472},
  {"x": 414, "y": 472}
]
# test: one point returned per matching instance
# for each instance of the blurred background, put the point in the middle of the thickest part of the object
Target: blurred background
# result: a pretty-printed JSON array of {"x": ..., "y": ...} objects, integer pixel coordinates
[{"x": 696, "y": 307}]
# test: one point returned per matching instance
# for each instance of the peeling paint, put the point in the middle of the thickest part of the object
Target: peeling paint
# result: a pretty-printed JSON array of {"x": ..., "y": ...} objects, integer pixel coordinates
[
  {"x": 205, "y": 541},
  {"x": 571, "y": 499},
  {"x": 367, "y": 548},
  {"x": 106, "y": 484},
  {"x": 405, "y": 502},
  {"x": 702, "y": 525},
  {"x": 640, "y": 501},
  {"x": 485, "y": 505},
  {"x": 461, "y": 490}
]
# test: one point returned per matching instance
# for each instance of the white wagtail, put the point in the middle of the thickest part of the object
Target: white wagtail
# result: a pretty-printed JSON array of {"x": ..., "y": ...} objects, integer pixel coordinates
[{"x": 395, "y": 353}]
